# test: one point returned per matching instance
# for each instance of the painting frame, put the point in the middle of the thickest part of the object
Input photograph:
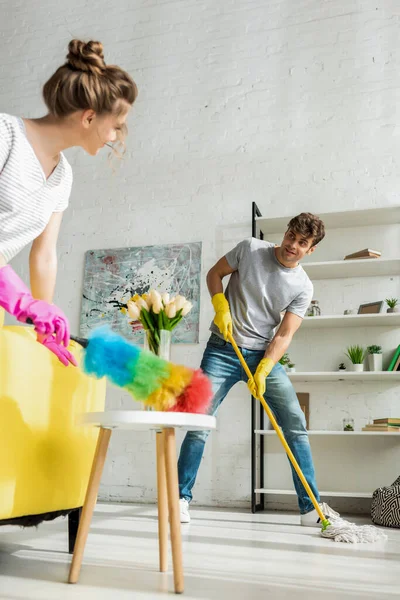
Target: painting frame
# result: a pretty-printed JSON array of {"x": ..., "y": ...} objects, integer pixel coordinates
[
  {"x": 368, "y": 309},
  {"x": 112, "y": 276}
]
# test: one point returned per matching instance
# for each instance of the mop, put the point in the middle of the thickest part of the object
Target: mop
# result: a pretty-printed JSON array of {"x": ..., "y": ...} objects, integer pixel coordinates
[
  {"x": 339, "y": 530},
  {"x": 150, "y": 379}
]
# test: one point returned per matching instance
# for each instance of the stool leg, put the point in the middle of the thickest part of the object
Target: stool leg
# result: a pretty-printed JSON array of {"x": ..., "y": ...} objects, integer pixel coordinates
[
  {"x": 162, "y": 503},
  {"x": 173, "y": 506},
  {"x": 90, "y": 503}
]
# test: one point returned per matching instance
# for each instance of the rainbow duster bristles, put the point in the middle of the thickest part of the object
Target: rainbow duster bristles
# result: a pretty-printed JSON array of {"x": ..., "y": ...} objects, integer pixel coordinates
[{"x": 150, "y": 379}]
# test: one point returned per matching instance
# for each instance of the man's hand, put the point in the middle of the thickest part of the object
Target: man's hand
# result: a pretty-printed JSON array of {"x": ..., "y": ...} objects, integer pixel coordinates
[
  {"x": 257, "y": 384},
  {"x": 223, "y": 318}
]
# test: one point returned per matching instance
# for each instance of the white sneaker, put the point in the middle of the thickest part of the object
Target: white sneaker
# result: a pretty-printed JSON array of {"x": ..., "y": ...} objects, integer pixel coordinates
[
  {"x": 311, "y": 519},
  {"x": 184, "y": 510}
]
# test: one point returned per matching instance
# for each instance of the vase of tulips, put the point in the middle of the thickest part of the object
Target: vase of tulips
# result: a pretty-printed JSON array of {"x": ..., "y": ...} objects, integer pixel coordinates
[{"x": 159, "y": 314}]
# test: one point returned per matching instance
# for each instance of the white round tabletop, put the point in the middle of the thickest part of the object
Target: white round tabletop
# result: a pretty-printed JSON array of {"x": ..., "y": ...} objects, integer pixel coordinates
[{"x": 148, "y": 419}]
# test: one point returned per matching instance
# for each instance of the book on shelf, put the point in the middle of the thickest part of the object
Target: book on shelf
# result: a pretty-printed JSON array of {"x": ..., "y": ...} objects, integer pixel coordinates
[
  {"x": 366, "y": 253},
  {"x": 381, "y": 428},
  {"x": 388, "y": 421},
  {"x": 394, "y": 364}
]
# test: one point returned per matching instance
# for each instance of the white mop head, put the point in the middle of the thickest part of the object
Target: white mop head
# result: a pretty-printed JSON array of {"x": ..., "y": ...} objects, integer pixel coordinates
[{"x": 341, "y": 530}]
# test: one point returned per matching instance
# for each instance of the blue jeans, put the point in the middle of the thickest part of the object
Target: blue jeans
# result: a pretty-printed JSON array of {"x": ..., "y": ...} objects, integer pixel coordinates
[{"x": 223, "y": 368}]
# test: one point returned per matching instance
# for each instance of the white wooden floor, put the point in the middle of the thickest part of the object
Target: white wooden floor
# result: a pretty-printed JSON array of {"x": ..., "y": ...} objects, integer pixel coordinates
[{"x": 228, "y": 554}]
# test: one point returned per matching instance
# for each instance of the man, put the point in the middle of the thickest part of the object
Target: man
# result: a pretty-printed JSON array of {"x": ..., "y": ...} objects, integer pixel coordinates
[{"x": 265, "y": 282}]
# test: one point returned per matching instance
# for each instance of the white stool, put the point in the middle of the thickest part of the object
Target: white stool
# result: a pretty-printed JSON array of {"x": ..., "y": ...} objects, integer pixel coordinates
[{"x": 164, "y": 423}]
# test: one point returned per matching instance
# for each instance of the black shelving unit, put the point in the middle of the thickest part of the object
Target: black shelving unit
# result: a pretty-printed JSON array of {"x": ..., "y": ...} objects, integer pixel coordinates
[{"x": 257, "y": 413}]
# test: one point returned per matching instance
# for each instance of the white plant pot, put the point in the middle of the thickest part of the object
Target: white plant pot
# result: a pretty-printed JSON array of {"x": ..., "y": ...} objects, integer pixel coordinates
[
  {"x": 396, "y": 309},
  {"x": 375, "y": 362},
  {"x": 291, "y": 369},
  {"x": 358, "y": 368}
]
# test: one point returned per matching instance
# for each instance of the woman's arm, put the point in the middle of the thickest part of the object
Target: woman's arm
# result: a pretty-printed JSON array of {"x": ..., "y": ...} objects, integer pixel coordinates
[{"x": 43, "y": 260}]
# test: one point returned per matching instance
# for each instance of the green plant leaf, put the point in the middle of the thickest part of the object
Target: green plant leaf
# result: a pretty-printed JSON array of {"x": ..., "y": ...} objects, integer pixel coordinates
[{"x": 356, "y": 354}]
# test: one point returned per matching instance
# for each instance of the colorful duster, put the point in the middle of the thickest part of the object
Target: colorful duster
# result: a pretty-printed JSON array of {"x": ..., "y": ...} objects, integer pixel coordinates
[{"x": 150, "y": 379}]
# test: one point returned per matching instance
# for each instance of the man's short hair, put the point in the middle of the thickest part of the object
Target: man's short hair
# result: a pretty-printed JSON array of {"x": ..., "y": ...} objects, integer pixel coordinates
[{"x": 308, "y": 225}]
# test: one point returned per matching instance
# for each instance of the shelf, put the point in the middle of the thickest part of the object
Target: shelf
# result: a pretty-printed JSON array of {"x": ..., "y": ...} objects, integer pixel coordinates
[
  {"x": 346, "y": 433},
  {"x": 383, "y": 376},
  {"x": 343, "y": 269},
  {"x": 328, "y": 493},
  {"x": 378, "y": 320},
  {"x": 388, "y": 215}
]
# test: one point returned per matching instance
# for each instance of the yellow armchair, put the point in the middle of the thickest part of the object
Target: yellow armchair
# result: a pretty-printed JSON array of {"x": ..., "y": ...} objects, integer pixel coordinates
[{"x": 45, "y": 455}]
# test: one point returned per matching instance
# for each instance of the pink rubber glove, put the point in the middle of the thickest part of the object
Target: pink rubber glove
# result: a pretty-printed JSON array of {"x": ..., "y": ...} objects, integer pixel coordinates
[
  {"x": 61, "y": 352},
  {"x": 17, "y": 300}
]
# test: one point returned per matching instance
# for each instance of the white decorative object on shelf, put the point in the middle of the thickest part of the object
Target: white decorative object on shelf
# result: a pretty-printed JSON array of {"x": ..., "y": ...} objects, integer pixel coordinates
[{"x": 374, "y": 358}]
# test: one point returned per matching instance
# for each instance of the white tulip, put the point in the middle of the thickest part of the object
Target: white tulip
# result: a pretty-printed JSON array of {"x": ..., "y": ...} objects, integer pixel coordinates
[
  {"x": 170, "y": 310},
  {"x": 165, "y": 298},
  {"x": 133, "y": 310},
  {"x": 187, "y": 307},
  {"x": 143, "y": 303},
  {"x": 179, "y": 302},
  {"x": 157, "y": 306},
  {"x": 154, "y": 297}
]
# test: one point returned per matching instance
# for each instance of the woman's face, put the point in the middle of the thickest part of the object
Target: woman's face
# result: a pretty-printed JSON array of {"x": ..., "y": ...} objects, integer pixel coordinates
[{"x": 100, "y": 130}]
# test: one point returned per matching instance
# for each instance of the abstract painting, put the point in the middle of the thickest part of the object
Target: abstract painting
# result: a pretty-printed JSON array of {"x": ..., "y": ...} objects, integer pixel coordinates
[{"x": 112, "y": 277}]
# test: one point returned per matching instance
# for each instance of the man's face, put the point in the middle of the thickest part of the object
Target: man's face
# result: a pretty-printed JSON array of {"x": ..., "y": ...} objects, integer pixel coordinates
[{"x": 294, "y": 247}]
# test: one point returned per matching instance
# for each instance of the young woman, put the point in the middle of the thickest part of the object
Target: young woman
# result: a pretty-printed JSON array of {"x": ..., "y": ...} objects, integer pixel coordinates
[{"x": 88, "y": 103}]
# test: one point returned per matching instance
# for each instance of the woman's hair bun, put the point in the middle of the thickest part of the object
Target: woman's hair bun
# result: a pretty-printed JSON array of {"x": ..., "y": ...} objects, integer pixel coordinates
[{"x": 87, "y": 57}]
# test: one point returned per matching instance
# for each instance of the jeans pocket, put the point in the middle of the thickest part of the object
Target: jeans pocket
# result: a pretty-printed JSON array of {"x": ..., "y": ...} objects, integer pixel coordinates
[{"x": 215, "y": 340}]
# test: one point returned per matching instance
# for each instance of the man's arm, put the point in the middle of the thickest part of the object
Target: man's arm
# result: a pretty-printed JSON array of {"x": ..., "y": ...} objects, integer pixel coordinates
[
  {"x": 43, "y": 260},
  {"x": 283, "y": 336},
  {"x": 216, "y": 274}
]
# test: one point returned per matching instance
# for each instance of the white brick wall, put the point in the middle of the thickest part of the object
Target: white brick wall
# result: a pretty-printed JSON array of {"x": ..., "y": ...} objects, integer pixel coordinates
[{"x": 288, "y": 103}]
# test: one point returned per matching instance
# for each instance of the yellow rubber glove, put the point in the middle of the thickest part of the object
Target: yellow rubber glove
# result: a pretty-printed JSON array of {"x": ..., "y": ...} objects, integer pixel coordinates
[
  {"x": 222, "y": 319},
  {"x": 257, "y": 385}
]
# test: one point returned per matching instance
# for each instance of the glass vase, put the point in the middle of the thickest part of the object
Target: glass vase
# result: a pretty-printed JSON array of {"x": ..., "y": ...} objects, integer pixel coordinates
[{"x": 159, "y": 344}]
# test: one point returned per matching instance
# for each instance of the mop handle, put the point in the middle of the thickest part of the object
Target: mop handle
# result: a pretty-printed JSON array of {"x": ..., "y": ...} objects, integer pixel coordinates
[{"x": 280, "y": 434}]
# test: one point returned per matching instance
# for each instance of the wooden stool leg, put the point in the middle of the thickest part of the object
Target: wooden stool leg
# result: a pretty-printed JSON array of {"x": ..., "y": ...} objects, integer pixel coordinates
[
  {"x": 173, "y": 506},
  {"x": 162, "y": 503},
  {"x": 90, "y": 503}
]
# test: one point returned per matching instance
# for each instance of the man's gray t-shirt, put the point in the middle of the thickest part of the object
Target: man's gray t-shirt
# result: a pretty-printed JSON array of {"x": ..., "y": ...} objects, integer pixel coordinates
[{"x": 259, "y": 290}]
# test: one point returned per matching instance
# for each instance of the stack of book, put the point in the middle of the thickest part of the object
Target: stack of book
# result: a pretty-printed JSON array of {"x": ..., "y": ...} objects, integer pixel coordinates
[
  {"x": 388, "y": 424},
  {"x": 366, "y": 253}
]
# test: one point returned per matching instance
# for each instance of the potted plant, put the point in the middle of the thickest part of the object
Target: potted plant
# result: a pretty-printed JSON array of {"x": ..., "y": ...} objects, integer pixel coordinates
[
  {"x": 392, "y": 304},
  {"x": 285, "y": 360},
  {"x": 291, "y": 367},
  {"x": 356, "y": 354},
  {"x": 374, "y": 358},
  {"x": 342, "y": 367}
]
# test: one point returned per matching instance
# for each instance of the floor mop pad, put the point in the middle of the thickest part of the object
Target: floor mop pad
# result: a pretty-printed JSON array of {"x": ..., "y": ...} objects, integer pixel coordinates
[{"x": 337, "y": 529}]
